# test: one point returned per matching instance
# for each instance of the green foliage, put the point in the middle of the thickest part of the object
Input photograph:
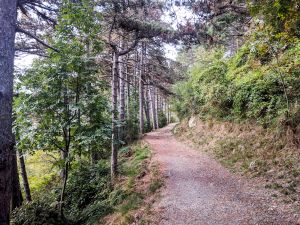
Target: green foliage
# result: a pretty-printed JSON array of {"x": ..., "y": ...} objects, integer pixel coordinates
[
  {"x": 155, "y": 185},
  {"x": 207, "y": 90},
  {"x": 86, "y": 200},
  {"x": 37, "y": 213},
  {"x": 87, "y": 192},
  {"x": 258, "y": 84},
  {"x": 41, "y": 173},
  {"x": 132, "y": 167},
  {"x": 162, "y": 119},
  {"x": 132, "y": 120},
  {"x": 132, "y": 202},
  {"x": 63, "y": 105},
  {"x": 281, "y": 16}
]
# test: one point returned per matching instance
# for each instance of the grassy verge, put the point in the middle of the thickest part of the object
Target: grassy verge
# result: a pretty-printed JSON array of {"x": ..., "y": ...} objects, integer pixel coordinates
[
  {"x": 267, "y": 155},
  {"x": 137, "y": 187}
]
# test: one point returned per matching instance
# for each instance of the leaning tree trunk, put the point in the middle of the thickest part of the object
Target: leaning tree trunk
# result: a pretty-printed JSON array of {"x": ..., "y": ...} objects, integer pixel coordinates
[
  {"x": 17, "y": 198},
  {"x": 8, "y": 16},
  {"x": 114, "y": 115},
  {"x": 24, "y": 177}
]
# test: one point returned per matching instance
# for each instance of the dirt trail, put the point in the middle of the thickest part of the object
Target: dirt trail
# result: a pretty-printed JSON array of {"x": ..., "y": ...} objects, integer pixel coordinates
[{"x": 199, "y": 191}]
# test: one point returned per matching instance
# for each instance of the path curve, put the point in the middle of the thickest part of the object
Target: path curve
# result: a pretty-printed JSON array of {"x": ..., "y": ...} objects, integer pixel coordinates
[{"x": 199, "y": 191}]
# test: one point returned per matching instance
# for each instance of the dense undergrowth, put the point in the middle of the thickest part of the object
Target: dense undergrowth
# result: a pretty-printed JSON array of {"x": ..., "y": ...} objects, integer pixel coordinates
[
  {"x": 90, "y": 196},
  {"x": 256, "y": 85},
  {"x": 247, "y": 108}
]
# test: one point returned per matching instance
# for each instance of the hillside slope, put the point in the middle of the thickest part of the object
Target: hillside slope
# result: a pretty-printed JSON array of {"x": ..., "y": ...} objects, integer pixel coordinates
[{"x": 269, "y": 159}]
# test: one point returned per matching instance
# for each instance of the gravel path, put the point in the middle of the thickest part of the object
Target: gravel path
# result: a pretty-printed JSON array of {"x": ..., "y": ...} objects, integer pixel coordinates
[{"x": 199, "y": 191}]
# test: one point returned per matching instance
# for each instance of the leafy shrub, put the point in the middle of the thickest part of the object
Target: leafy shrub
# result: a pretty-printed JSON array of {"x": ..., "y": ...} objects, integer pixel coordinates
[
  {"x": 162, "y": 119},
  {"x": 281, "y": 17},
  {"x": 36, "y": 213},
  {"x": 87, "y": 191},
  {"x": 86, "y": 199},
  {"x": 255, "y": 85}
]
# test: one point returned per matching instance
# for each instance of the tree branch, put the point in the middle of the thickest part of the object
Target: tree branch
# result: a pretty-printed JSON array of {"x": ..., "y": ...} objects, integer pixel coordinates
[
  {"x": 20, "y": 30},
  {"x": 133, "y": 45}
]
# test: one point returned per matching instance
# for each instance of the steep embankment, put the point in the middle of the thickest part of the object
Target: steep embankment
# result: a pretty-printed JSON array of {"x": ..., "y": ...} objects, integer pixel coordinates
[
  {"x": 270, "y": 159},
  {"x": 199, "y": 190}
]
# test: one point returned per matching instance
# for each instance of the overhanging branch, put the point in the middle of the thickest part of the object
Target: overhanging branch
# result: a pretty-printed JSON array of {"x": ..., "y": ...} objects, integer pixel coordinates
[{"x": 20, "y": 30}]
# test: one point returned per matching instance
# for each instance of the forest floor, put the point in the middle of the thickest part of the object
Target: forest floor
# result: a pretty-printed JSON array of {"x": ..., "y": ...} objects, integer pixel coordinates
[{"x": 199, "y": 190}]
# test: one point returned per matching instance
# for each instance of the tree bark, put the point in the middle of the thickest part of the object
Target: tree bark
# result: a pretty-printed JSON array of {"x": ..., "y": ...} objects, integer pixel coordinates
[
  {"x": 17, "y": 198},
  {"x": 156, "y": 107},
  {"x": 66, "y": 151},
  {"x": 24, "y": 177},
  {"x": 8, "y": 17},
  {"x": 153, "y": 103},
  {"x": 65, "y": 174},
  {"x": 141, "y": 90},
  {"x": 122, "y": 97},
  {"x": 150, "y": 106},
  {"x": 147, "y": 112},
  {"x": 169, "y": 114},
  {"x": 128, "y": 94},
  {"x": 114, "y": 116}
]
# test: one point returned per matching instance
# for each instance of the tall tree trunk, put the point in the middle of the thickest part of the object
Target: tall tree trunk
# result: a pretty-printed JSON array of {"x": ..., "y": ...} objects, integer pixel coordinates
[
  {"x": 156, "y": 108},
  {"x": 17, "y": 198},
  {"x": 66, "y": 152},
  {"x": 128, "y": 94},
  {"x": 141, "y": 90},
  {"x": 149, "y": 94},
  {"x": 164, "y": 108},
  {"x": 153, "y": 101},
  {"x": 114, "y": 116},
  {"x": 77, "y": 99},
  {"x": 169, "y": 114},
  {"x": 65, "y": 158},
  {"x": 122, "y": 97},
  {"x": 8, "y": 16},
  {"x": 136, "y": 76},
  {"x": 24, "y": 177},
  {"x": 65, "y": 174},
  {"x": 147, "y": 112},
  {"x": 141, "y": 105}
]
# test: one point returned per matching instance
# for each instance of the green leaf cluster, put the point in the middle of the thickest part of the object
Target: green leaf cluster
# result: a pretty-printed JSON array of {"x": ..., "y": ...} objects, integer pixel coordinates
[
  {"x": 282, "y": 17},
  {"x": 259, "y": 84}
]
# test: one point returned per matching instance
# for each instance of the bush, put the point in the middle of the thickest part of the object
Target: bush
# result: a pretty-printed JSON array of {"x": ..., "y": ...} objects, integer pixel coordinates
[
  {"x": 253, "y": 85},
  {"x": 162, "y": 119},
  {"x": 86, "y": 199},
  {"x": 36, "y": 213},
  {"x": 87, "y": 191}
]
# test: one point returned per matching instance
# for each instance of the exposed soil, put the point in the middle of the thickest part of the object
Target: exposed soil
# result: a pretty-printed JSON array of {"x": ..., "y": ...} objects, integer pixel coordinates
[{"x": 199, "y": 190}]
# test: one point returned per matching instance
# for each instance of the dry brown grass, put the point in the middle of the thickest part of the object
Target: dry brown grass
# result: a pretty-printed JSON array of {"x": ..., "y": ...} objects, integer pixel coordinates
[{"x": 270, "y": 156}]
